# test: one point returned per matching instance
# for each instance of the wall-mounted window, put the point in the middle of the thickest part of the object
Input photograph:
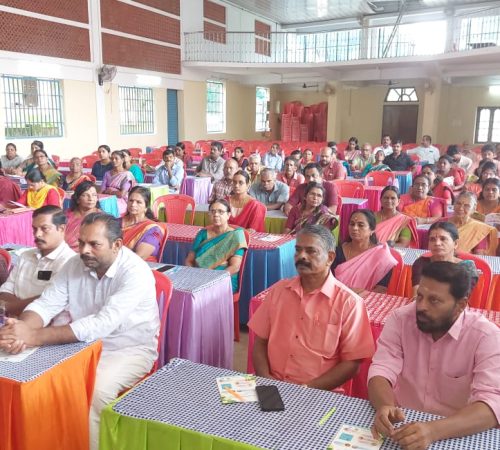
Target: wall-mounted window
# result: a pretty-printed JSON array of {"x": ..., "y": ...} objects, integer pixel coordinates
[
  {"x": 216, "y": 107},
  {"x": 487, "y": 124},
  {"x": 262, "y": 96},
  {"x": 33, "y": 107},
  {"x": 136, "y": 110},
  {"x": 401, "y": 95}
]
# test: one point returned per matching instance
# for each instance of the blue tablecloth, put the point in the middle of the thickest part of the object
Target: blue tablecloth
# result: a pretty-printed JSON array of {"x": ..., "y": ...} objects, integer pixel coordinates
[
  {"x": 405, "y": 181},
  {"x": 108, "y": 204}
]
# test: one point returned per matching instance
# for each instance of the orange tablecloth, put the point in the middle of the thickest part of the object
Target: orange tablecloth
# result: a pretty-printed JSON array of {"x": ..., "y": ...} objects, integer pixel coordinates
[{"x": 50, "y": 411}]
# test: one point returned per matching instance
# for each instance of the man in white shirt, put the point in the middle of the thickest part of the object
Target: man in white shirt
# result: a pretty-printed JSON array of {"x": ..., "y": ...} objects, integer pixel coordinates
[
  {"x": 386, "y": 146},
  {"x": 109, "y": 293},
  {"x": 426, "y": 151},
  {"x": 272, "y": 159},
  {"x": 37, "y": 266}
]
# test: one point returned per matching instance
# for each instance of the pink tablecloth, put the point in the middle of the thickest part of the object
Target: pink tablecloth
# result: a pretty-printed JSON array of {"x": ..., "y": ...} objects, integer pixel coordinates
[
  {"x": 372, "y": 194},
  {"x": 16, "y": 229},
  {"x": 348, "y": 206},
  {"x": 199, "y": 188}
]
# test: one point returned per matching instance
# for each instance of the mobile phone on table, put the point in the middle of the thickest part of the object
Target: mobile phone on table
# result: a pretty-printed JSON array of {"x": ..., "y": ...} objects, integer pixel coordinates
[{"x": 269, "y": 398}]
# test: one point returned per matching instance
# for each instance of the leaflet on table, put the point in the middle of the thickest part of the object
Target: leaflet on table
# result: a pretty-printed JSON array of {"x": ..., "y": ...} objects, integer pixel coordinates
[
  {"x": 492, "y": 219},
  {"x": 237, "y": 389},
  {"x": 269, "y": 238},
  {"x": 353, "y": 437},
  {"x": 7, "y": 357}
]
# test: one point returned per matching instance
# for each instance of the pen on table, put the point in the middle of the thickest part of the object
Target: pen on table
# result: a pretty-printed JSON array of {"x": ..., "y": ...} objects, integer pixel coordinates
[
  {"x": 329, "y": 414},
  {"x": 235, "y": 394}
]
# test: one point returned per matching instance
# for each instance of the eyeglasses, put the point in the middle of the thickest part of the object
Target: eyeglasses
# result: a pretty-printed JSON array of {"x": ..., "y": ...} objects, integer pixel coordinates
[{"x": 218, "y": 212}]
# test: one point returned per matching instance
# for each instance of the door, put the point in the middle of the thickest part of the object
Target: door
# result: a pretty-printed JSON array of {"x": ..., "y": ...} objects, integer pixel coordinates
[
  {"x": 172, "y": 117},
  {"x": 400, "y": 122}
]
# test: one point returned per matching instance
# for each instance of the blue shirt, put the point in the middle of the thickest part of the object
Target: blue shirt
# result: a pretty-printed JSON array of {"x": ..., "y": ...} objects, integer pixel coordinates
[
  {"x": 273, "y": 161},
  {"x": 161, "y": 176}
]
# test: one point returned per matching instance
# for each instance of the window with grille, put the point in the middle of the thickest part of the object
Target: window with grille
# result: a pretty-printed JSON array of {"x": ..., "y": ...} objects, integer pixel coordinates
[
  {"x": 216, "y": 107},
  {"x": 487, "y": 124},
  {"x": 136, "y": 110},
  {"x": 401, "y": 95},
  {"x": 262, "y": 109},
  {"x": 33, "y": 107}
]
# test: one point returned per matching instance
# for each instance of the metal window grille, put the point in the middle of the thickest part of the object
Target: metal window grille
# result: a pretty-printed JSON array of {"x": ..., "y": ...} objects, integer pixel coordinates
[
  {"x": 401, "y": 95},
  {"x": 261, "y": 109},
  {"x": 216, "y": 114},
  {"x": 136, "y": 110},
  {"x": 33, "y": 107},
  {"x": 487, "y": 125}
]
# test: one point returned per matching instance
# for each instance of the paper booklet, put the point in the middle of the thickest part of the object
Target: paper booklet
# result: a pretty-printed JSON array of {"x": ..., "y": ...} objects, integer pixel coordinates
[
  {"x": 7, "y": 357},
  {"x": 353, "y": 437},
  {"x": 237, "y": 389}
]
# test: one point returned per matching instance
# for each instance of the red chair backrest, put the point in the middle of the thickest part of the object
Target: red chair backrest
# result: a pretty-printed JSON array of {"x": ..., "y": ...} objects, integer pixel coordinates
[
  {"x": 62, "y": 194},
  {"x": 351, "y": 189},
  {"x": 164, "y": 288},
  {"x": 89, "y": 160},
  {"x": 135, "y": 152},
  {"x": 56, "y": 159},
  {"x": 5, "y": 261},
  {"x": 381, "y": 178},
  {"x": 175, "y": 207},
  {"x": 479, "y": 296},
  {"x": 395, "y": 283}
]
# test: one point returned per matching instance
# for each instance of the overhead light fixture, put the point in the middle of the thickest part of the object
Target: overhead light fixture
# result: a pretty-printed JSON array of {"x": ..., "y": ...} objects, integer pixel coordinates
[{"x": 494, "y": 90}]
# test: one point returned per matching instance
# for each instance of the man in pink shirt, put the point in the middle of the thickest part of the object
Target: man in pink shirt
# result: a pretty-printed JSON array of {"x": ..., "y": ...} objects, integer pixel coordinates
[
  {"x": 290, "y": 176},
  {"x": 434, "y": 355},
  {"x": 311, "y": 329},
  {"x": 332, "y": 169}
]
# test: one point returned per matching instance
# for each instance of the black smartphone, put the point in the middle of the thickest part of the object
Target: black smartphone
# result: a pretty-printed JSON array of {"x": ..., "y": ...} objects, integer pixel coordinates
[
  {"x": 44, "y": 275},
  {"x": 269, "y": 398}
]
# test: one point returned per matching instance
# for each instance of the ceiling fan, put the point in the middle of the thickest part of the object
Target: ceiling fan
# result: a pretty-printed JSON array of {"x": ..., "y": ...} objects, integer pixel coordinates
[{"x": 306, "y": 86}]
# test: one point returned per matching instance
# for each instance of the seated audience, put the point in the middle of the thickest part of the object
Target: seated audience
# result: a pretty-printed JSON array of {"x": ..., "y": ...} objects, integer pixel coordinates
[
  {"x": 488, "y": 154},
  {"x": 487, "y": 170},
  {"x": 75, "y": 175},
  {"x": 39, "y": 193},
  {"x": 29, "y": 163},
  {"x": 84, "y": 201},
  {"x": 321, "y": 345},
  {"x": 399, "y": 160},
  {"x": 377, "y": 165},
  {"x": 313, "y": 172},
  {"x": 418, "y": 204},
  {"x": 169, "y": 173},
  {"x": 475, "y": 236},
  {"x": 426, "y": 151},
  {"x": 307, "y": 158},
  {"x": 489, "y": 200},
  {"x": 339, "y": 151},
  {"x": 134, "y": 169},
  {"x": 290, "y": 175},
  {"x": 352, "y": 150},
  {"x": 181, "y": 155},
  {"x": 219, "y": 246},
  {"x": 439, "y": 188},
  {"x": 297, "y": 156},
  {"x": 461, "y": 161},
  {"x": 272, "y": 193},
  {"x": 443, "y": 242},
  {"x": 212, "y": 166},
  {"x": 109, "y": 293},
  {"x": 52, "y": 176},
  {"x": 11, "y": 161},
  {"x": 254, "y": 168},
  {"x": 141, "y": 232},
  {"x": 99, "y": 168},
  {"x": 246, "y": 212},
  {"x": 365, "y": 157},
  {"x": 311, "y": 212},
  {"x": 386, "y": 146},
  {"x": 392, "y": 226},
  {"x": 454, "y": 176},
  {"x": 223, "y": 188},
  {"x": 9, "y": 191},
  {"x": 36, "y": 267},
  {"x": 437, "y": 356},
  {"x": 272, "y": 159},
  {"x": 117, "y": 181},
  {"x": 331, "y": 168},
  {"x": 362, "y": 263},
  {"x": 239, "y": 157}
]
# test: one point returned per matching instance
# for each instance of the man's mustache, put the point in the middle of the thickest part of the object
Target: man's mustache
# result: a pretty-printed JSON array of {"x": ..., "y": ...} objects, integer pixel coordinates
[
  {"x": 39, "y": 241},
  {"x": 302, "y": 263}
]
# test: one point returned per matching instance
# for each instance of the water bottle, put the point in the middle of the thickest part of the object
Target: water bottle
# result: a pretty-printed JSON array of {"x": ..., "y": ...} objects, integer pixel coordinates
[{"x": 3, "y": 313}]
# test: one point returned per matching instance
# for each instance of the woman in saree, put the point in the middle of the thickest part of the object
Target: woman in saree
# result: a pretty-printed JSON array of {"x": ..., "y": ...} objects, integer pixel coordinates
[
  {"x": 362, "y": 263},
  {"x": 246, "y": 212},
  {"x": 443, "y": 242},
  {"x": 141, "y": 232},
  {"x": 219, "y": 246},
  {"x": 393, "y": 226},
  {"x": 489, "y": 199},
  {"x": 419, "y": 205},
  {"x": 104, "y": 164},
  {"x": 474, "y": 236},
  {"x": 117, "y": 181},
  {"x": 52, "y": 176},
  {"x": 439, "y": 189},
  {"x": 312, "y": 212},
  {"x": 39, "y": 193},
  {"x": 307, "y": 157},
  {"x": 239, "y": 156},
  {"x": 134, "y": 169},
  {"x": 75, "y": 175},
  {"x": 488, "y": 170},
  {"x": 352, "y": 150},
  {"x": 83, "y": 202},
  {"x": 377, "y": 166},
  {"x": 29, "y": 163}
]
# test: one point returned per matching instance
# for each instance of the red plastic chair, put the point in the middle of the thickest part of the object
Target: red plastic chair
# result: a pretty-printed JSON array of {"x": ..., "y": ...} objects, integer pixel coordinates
[
  {"x": 396, "y": 282},
  {"x": 381, "y": 178},
  {"x": 5, "y": 262},
  {"x": 89, "y": 160},
  {"x": 135, "y": 152},
  {"x": 415, "y": 158},
  {"x": 175, "y": 206},
  {"x": 236, "y": 295},
  {"x": 351, "y": 189},
  {"x": 164, "y": 288},
  {"x": 56, "y": 159},
  {"x": 62, "y": 195}
]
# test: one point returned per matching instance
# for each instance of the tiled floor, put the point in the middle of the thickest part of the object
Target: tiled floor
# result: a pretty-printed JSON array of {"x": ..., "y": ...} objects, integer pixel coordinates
[{"x": 240, "y": 352}]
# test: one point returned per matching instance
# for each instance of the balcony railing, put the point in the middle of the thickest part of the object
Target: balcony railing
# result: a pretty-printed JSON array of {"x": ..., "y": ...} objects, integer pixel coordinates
[{"x": 419, "y": 39}]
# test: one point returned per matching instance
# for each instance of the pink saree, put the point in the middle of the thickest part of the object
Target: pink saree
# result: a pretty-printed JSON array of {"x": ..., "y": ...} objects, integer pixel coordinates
[{"x": 389, "y": 230}]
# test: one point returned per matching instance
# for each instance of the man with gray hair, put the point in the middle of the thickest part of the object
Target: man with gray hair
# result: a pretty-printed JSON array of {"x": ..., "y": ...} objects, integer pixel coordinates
[
  {"x": 272, "y": 193},
  {"x": 311, "y": 329},
  {"x": 254, "y": 168}
]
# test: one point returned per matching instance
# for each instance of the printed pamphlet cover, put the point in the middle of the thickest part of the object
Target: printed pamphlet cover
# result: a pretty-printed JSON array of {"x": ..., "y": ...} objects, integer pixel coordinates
[
  {"x": 354, "y": 438},
  {"x": 237, "y": 389}
]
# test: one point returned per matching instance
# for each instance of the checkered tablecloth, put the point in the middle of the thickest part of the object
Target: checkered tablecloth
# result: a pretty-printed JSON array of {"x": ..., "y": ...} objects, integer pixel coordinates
[
  {"x": 185, "y": 395},
  {"x": 194, "y": 279},
  {"x": 379, "y": 306},
  {"x": 39, "y": 362}
]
